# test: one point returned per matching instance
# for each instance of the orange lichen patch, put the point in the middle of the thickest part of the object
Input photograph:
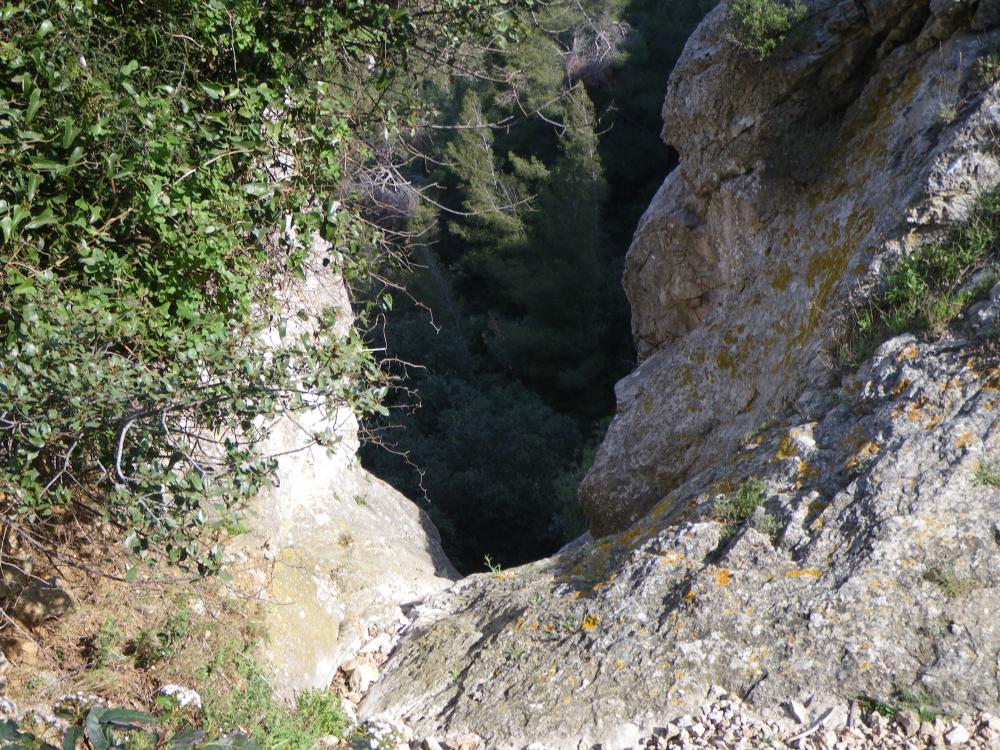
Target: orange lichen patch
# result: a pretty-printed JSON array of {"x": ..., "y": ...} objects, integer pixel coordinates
[
  {"x": 690, "y": 596},
  {"x": 590, "y": 623},
  {"x": 990, "y": 405},
  {"x": 907, "y": 353},
  {"x": 855, "y": 438},
  {"x": 671, "y": 558},
  {"x": 619, "y": 664},
  {"x": 868, "y": 450},
  {"x": 807, "y": 473},
  {"x": 965, "y": 439},
  {"x": 993, "y": 380},
  {"x": 804, "y": 573},
  {"x": 630, "y": 536},
  {"x": 933, "y": 422},
  {"x": 901, "y": 386},
  {"x": 662, "y": 507},
  {"x": 912, "y": 410},
  {"x": 723, "y": 577}
]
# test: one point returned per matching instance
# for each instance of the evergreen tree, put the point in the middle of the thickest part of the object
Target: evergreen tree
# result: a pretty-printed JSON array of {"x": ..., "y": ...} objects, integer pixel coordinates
[
  {"x": 488, "y": 221},
  {"x": 559, "y": 283}
]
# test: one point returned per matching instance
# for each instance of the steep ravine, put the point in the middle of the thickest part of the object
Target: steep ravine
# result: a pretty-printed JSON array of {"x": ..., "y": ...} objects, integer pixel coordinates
[{"x": 802, "y": 179}]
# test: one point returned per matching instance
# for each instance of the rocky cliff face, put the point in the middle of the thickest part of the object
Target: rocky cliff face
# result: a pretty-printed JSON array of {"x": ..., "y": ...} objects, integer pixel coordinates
[
  {"x": 865, "y": 556},
  {"x": 333, "y": 551},
  {"x": 799, "y": 178}
]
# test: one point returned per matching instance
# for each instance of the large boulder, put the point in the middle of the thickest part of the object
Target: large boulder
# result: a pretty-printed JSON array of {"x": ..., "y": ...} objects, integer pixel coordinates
[{"x": 799, "y": 178}]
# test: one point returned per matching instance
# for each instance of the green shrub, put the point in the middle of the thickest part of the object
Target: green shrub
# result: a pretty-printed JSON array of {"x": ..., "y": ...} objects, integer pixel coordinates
[
  {"x": 103, "y": 652},
  {"x": 151, "y": 154},
  {"x": 151, "y": 647},
  {"x": 759, "y": 26}
]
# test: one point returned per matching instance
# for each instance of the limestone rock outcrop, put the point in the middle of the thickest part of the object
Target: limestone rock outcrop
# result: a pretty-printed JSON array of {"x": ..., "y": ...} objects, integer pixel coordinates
[
  {"x": 869, "y": 569},
  {"x": 332, "y": 550},
  {"x": 763, "y": 521},
  {"x": 799, "y": 178}
]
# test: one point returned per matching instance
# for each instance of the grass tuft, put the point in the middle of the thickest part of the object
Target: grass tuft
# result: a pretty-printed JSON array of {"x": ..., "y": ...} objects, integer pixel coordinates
[
  {"x": 927, "y": 289},
  {"x": 253, "y": 708},
  {"x": 987, "y": 475},
  {"x": 945, "y": 577}
]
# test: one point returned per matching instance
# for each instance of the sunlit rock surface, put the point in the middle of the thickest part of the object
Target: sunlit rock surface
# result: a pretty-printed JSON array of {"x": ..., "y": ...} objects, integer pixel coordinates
[{"x": 333, "y": 551}]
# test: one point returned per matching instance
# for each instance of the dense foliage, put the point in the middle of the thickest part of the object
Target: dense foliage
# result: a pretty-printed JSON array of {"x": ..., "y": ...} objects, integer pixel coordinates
[
  {"x": 534, "y": 181},
  {"x": 759, "y": 26},
  {"x": 97, "y": 727},
  {"x": 163, "y": 161}
]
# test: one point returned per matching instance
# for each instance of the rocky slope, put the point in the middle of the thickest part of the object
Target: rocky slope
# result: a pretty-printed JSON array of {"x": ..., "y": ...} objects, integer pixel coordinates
[{"x": 765, "y": 522}]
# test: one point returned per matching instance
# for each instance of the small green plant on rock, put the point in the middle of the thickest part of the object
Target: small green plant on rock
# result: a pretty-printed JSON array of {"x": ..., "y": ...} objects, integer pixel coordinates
[
  {"x": 873, "y": 706},
  {"x": 735, "y": 509},
  {"x": 920, "y": 702},
  {"x": 496, "y": 569},
  {"x": 947, "y": 114},
  {"x": 945, "y": 577},
  {"x": 987, "y": 475},
  {"x": 759, "y": 26}
]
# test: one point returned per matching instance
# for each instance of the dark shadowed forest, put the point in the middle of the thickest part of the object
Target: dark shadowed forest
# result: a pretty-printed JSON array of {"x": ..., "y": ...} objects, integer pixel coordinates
[{"x": 513, "y": 326}]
